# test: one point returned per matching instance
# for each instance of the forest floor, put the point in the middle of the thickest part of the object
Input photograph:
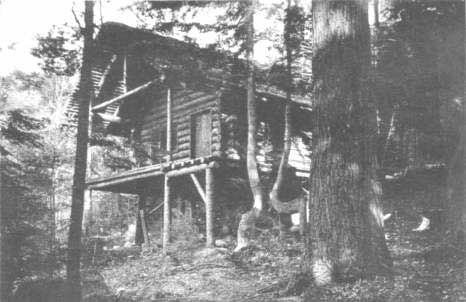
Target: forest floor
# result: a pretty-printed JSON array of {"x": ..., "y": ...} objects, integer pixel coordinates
[{"x": 426, "y": 268}]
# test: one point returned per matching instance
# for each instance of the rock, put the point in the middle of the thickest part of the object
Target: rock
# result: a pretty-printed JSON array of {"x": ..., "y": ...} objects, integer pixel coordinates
[
  {"x": 130, "y": 234},
  {"x": 210, "y": 253},
  {"x": 221, "y": 243}
]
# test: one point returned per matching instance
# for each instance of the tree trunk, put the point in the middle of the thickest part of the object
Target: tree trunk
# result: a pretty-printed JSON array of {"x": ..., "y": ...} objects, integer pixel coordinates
[
  {"x": 456, "y": 189},
  {"x": 375, "y": 7},
  {"x": 275, "y": 201},
  {"x": 79, "y": 178},
  {"x": 248, "y": 219},
  {"x": 139, "y": 236},
  {"x": 346, "y": 222}
]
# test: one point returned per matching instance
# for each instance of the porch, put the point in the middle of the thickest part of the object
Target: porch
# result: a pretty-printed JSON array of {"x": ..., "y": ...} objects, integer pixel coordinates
[{"x": 156, "y": 179}]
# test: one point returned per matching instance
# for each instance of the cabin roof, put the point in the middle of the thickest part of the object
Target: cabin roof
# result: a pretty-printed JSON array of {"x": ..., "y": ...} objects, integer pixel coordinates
[{"x": 185, "y": 61}]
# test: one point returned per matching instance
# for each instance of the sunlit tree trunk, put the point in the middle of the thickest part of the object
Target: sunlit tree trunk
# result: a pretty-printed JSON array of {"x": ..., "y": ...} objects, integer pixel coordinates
[
  {"x": 346, "y": 225},
  {"x": 280, "y": 206},
  {"x": 79, "y": 178},
  {"x": 248, "y": 219}
]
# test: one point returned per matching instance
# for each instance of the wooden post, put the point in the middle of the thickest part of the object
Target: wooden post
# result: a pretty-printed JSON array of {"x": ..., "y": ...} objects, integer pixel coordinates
[
  {"x": 139, "y": 227},
  {"x": 169, "y": 126},
  {"x": 166, "y": 214},
  {"x": 124, "y": 80},
  {"x": 188, "y": 210},
  {"x": 125, "y": 76},
  {"x": 144, "y": 228},
  {"x": 198, "y": 187},
  {"x": 209, "y": 213},
  {"x": 166, "y": 191}
]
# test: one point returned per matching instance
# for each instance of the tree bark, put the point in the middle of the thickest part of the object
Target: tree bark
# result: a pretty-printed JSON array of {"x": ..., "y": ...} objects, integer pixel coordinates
[
  {"x": 346, "y": 222},
  {"x": 248, "y": 219},
  {"x": 275, "y": 200},
  {"x": 456, "y": 189},
  {"x": 79, "y": 178}
]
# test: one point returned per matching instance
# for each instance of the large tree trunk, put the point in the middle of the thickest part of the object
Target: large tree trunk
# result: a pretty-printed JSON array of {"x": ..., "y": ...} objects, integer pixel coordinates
[
  {"x": 346, "y": 224},
  {"x": 456, "y": 188},
  {"x": 79, "y": 178},
  {"x": 248, "y": 219}
]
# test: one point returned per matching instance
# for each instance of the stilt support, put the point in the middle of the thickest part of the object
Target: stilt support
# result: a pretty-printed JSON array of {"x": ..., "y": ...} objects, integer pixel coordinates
[
  {"x": 139, "y": 228},
  {"x": 144, "y": 228},
  {"x": 198, "y": 186},
  {"x": 166, "y": 215},
  {"x": 209, "y": 203}
]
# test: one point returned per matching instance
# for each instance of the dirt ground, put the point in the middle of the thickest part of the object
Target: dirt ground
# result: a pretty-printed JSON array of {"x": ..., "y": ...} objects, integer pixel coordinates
[{"x": 426, "y": 267}]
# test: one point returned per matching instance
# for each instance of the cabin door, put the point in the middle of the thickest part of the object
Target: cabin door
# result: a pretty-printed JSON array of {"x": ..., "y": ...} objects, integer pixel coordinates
[{"x": 201, "y": 133}]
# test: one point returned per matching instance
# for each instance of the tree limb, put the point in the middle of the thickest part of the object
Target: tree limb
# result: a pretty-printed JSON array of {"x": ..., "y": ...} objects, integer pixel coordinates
[{"x": 81, "y": 28}]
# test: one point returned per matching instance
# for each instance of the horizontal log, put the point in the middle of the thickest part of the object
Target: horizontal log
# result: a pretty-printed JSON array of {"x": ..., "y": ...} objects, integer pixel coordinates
[
  {"x": 110, "y": 118},
  {"x": 184, "y": 132},
  {"x": 125, "y": 95},
  {"x": 194, "y": 107},
  {"x": 179, "y": 114},
  {"x": 215, "y": 131},
  {"x": 189, "y": 170},
  {"x": 184, "y": 139},
  {"x": 155, "y": 209},
  {"x": 216, "y": 147},
  {"x": 182, "y": 99},
  {"x": 215, "y": 139},
  {"x": 183, "y": 153}
]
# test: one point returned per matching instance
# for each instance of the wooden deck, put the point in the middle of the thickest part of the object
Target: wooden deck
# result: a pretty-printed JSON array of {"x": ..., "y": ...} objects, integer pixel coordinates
[{"x": 134, "y": 180}]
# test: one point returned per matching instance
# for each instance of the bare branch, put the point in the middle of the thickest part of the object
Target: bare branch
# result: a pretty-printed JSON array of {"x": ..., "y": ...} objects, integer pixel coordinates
[
  {"x": 76, "y": 18},
  {"x": 100, "y": 11}
]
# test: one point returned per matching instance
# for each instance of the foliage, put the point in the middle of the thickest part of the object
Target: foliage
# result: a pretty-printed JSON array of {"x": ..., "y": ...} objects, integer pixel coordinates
[
  {"x": 58, "y": 51},
  {"x": 34, "y": 176},
  {"x": 417, "y": 72}
]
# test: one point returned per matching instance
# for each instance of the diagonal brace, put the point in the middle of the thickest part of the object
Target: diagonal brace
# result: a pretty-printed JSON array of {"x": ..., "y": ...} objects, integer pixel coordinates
[{"x": 198, "y": 187}]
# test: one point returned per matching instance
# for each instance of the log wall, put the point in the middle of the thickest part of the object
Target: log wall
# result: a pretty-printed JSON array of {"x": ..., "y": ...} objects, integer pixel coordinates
[{"x": 186, "y": 103}]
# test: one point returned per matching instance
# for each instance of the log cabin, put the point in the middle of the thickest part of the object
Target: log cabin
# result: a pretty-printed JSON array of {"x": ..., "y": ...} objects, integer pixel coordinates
[{"x": 182, "y": 110}]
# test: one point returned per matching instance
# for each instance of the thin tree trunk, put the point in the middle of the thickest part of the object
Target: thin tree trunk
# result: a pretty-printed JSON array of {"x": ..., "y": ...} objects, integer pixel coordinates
[
  {"x": 79, "y": 178},
  {"x": 376, "y": 13},
  {"x": 248, "y": 219},
  {"x": 390, "y": 134},
  {"x": 295, "y": 205},
  {"x": 346, "y": 232}
]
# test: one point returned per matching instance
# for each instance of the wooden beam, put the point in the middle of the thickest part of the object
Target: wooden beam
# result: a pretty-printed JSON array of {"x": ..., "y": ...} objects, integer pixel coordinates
[
  {"x": 105, "y": 74},
  {"x": 209, "y": 206},
  {"x": 139, "y": 237},
  {"x": 125, "y": 75},
  {"x": 155, "y": 209},
  {"x": 110, "y": 118},
  {"x": 188, "y": 170},
  {"x": 166, "y": 215},
  {"x": 198, "y": 187},
  {"x": 144, "y": 228},
  {"x": 169, "y": 125},
  {"x": 125, "y": 81},
  {"x": 125, "y": 95}
]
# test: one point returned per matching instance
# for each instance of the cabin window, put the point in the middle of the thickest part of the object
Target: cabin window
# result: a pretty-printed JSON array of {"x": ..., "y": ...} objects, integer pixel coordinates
[{"x": 201, "y": 134}]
